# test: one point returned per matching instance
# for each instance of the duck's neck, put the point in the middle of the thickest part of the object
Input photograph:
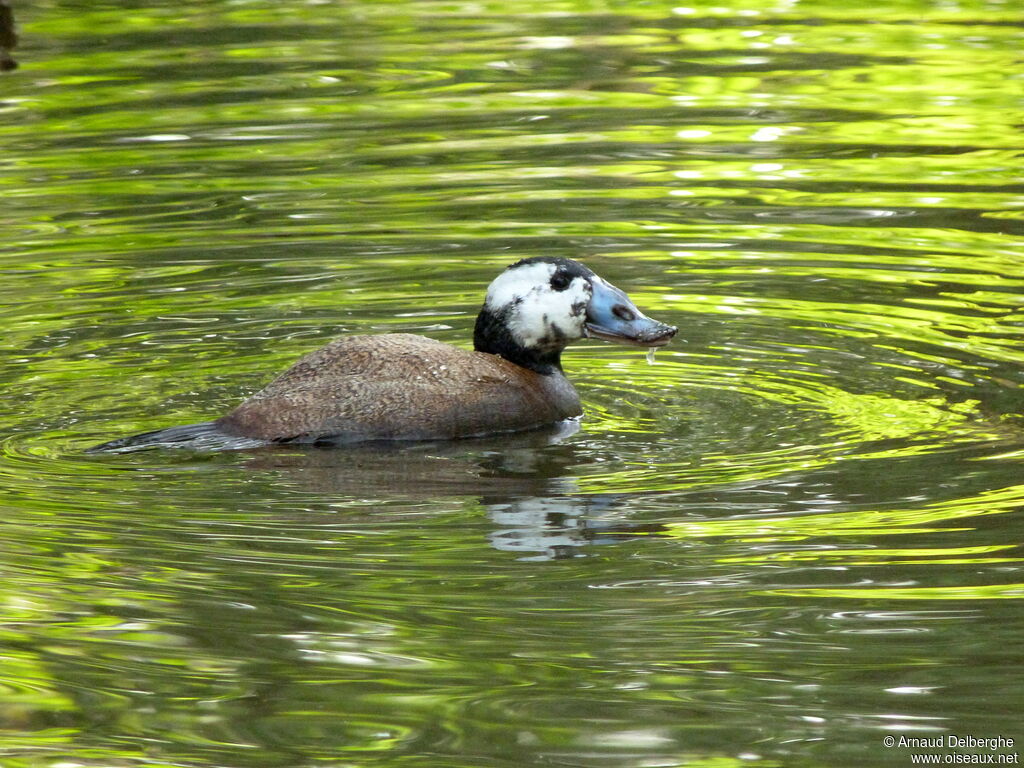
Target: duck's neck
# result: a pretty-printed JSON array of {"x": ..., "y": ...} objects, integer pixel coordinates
[{"x": 492, "y": 335}]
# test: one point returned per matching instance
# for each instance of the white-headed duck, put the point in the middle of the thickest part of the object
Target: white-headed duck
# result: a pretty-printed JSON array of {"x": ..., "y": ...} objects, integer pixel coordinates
[{"x": 400, "y": 386}]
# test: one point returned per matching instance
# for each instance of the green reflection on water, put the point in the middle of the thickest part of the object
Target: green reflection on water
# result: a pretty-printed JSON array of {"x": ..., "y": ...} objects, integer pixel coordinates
[
  {"x": 860, "y": 522},
  {"x": 989, "y": 592}
]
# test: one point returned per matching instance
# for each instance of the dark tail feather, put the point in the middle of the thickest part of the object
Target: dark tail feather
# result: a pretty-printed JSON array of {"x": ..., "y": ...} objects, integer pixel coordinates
[{"x": 203, "y": 436}]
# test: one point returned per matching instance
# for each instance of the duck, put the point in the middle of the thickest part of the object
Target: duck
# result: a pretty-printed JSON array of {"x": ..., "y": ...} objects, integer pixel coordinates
[{"x": 406, "y": 387}]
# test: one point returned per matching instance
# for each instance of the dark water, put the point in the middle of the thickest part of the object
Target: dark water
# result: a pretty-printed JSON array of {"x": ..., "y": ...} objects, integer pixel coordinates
[{"x": 795, "y": 534}]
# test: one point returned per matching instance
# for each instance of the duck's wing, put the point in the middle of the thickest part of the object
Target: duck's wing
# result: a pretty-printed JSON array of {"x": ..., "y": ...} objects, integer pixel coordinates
[{"x": 400, "y": 386}]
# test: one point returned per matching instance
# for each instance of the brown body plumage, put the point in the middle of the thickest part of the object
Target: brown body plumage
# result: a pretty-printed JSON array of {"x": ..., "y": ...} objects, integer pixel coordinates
[{"x": 401, "y": 386}]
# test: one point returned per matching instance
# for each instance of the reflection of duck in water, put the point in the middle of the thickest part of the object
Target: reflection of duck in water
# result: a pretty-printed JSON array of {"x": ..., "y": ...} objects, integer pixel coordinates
[
  {"x": 524, "y": 482},
  {"x": 405, "y": 387}
]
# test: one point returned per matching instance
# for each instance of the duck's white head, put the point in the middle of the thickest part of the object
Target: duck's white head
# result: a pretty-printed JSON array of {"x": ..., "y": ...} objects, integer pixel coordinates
[{"x": 537, "y": 306}]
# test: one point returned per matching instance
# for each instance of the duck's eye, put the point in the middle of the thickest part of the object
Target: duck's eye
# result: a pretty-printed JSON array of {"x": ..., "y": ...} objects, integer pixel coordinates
[{"x": 560, "y": 281}]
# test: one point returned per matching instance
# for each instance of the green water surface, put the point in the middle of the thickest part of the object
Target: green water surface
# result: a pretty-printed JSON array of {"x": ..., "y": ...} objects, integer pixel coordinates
[{"x": 798, "y": 532}]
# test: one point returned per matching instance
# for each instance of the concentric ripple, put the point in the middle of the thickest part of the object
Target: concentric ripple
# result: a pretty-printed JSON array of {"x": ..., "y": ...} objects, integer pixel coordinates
[{"x": 783, "y": 361}]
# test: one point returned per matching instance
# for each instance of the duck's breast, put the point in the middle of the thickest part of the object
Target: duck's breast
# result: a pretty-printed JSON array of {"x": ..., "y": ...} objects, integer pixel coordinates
[{"x": 401, "y": 386}]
